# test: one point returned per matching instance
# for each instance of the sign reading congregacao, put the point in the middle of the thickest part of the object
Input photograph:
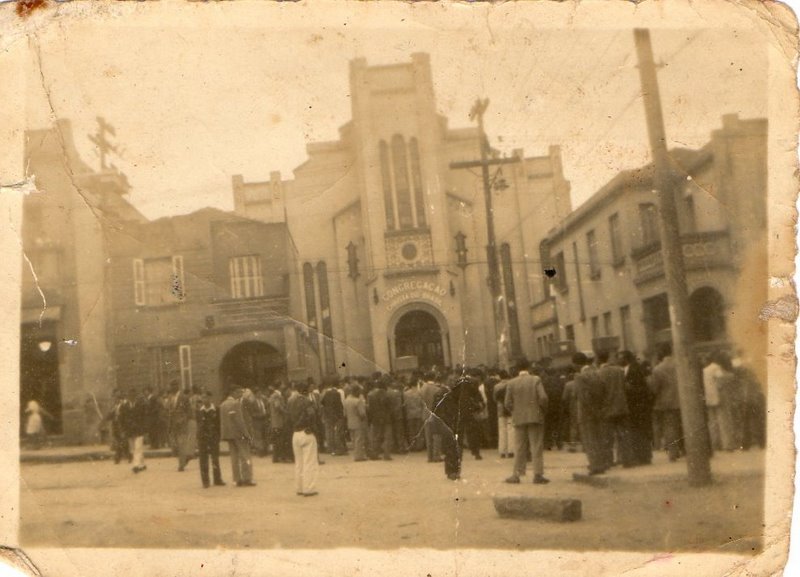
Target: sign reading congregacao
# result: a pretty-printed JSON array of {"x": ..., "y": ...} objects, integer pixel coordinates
[{"x": 412, "y": 290}]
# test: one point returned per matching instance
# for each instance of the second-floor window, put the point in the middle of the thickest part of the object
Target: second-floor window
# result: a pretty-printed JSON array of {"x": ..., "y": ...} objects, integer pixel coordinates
[
  {"x": 246, "y": 278},
  {"x": 158, "y": 281},
  {"x": 560, "y": 278},
  {"x": 615, "y": 232},
  {"x": 648, "y": 218}
]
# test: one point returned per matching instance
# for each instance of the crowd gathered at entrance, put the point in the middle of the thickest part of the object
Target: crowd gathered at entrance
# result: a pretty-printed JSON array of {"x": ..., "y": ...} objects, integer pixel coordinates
[{"x": 615, "y": 409}]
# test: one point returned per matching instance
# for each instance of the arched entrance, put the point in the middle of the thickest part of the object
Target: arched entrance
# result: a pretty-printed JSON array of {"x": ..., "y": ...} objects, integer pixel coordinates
[
  {"x": 418, "y": 333},
  {"x": 708, "y": 315},
  {"x": 39, "y": 378},
  {"x": 252, "y": 364}
]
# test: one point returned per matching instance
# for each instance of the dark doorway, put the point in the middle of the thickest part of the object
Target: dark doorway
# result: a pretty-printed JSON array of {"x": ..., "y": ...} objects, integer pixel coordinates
[
  {"x": 708, "y": 315},
  {"x": 657, "y": 321},
  {"x": 418, "y": 333},
  {"x": 38, "y": 365},
  {"x": 252, "y": 364}
]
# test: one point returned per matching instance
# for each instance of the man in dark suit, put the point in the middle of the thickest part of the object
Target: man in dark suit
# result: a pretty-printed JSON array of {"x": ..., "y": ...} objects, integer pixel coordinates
[
  {"x": 332, "y": 418},
  {"x": 134, "y": 417},
  {"x": 666, "y": 402},
  {"x": 590, "y": 391},
  {"x": 640, "y": 407},
  {"x": 153, "y": 418},
  {"x": 379, "y": 416},
  {"x": 208, "y": 427},
  {"x": 235, "y": 429},
  {"x": 615, "y": 412},
  {"x": 451, "y": 405},
  {"x": 526, "y": 400},
  {"x": 281, "y": 431}
]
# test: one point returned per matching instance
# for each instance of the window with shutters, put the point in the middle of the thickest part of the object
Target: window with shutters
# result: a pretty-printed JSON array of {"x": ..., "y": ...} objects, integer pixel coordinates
[
  {"x": 158, "y": 281},
  {"x": 185, "y": 356},
  {"x": 169, "y": 364},
  {"x": 246, "y": 278}
]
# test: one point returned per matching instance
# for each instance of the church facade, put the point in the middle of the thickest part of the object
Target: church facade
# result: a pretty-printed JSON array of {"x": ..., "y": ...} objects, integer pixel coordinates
[{"x": 391, "y": 237}]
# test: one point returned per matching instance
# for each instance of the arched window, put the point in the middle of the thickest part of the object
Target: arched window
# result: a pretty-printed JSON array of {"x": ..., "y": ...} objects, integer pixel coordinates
[
  {"x": 386, "y": 174},
  {"x": 325, "y": 313},
  {"x": 416, "y": 179},
  {"x": 511, "y": 299},
  {"x": 708, "y": 315},
  {"x": 405, "y": 215}
]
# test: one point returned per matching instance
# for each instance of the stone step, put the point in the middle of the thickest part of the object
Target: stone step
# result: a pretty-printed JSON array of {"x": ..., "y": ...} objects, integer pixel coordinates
[
  {"x": 544, "y": 508},
  {"x": 598, "y": 481}
]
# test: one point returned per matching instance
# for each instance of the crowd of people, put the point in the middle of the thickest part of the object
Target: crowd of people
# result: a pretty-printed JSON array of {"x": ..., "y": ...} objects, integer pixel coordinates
[{"x": 613, "y": 408}]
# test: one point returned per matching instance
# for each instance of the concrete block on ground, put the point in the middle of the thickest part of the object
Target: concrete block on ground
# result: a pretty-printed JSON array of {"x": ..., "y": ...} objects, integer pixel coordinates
[
  {"x": 544, "y": 508},
  {"x": 598, "y": 481}
]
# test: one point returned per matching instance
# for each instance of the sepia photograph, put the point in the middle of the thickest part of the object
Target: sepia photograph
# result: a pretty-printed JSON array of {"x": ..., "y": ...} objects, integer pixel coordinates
[{"x": 458, "y": 279}]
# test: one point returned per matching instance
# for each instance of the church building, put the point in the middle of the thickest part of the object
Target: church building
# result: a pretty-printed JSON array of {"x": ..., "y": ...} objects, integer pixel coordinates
[{"x": 391, "y": 234}]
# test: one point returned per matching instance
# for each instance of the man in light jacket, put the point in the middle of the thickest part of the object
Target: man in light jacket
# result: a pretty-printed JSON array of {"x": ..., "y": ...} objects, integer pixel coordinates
[
  {"x": 236, "y": 430},
  {"x": 355, "y": 409},
  {"x": 526, "y": 400}
]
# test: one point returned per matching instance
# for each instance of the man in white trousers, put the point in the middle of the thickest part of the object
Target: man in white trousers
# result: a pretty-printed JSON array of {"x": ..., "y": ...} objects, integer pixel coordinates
[
  {"x": 505, "y": 430},
  {"x": 303, "y": 416}
]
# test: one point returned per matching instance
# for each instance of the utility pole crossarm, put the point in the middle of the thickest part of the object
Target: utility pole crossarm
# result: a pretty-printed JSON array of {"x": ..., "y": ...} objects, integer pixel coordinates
[{"x": 480, "y": 163}]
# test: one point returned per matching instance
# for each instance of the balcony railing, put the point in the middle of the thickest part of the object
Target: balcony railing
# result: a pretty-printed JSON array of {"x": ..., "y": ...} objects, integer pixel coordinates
[
  {"x": 701, "y": 251},
  {"x": 238, "y": 313}
]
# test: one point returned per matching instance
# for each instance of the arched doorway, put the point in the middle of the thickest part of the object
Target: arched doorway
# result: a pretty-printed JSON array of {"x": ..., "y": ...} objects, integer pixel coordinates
[
  {"x": 418, "y": 333},
  {"x": 252, "y": 364},
  {"x": 708, "y": 315},
  {"x": 39, "y": 376}
]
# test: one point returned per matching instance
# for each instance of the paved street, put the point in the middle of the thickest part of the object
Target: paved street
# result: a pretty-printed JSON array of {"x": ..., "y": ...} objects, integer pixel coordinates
[{"x": 403, "y": 503}]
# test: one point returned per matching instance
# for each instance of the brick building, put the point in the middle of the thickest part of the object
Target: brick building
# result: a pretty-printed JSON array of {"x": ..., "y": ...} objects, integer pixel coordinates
[{"x": 204, "y": 297}]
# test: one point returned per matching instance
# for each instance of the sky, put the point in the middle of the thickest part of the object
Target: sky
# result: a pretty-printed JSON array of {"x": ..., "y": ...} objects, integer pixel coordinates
[{"x": 194, "y": 105}]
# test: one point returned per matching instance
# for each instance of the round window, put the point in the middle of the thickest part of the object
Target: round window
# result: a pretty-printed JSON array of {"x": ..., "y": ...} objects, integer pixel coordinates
[{"x": 409, "y": 251}]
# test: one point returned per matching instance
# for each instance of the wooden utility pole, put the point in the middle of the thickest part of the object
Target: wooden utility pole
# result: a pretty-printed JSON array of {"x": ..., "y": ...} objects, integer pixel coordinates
[
  {"x": 478, "y": 109},
  {"x": 690, "y": 387}
]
